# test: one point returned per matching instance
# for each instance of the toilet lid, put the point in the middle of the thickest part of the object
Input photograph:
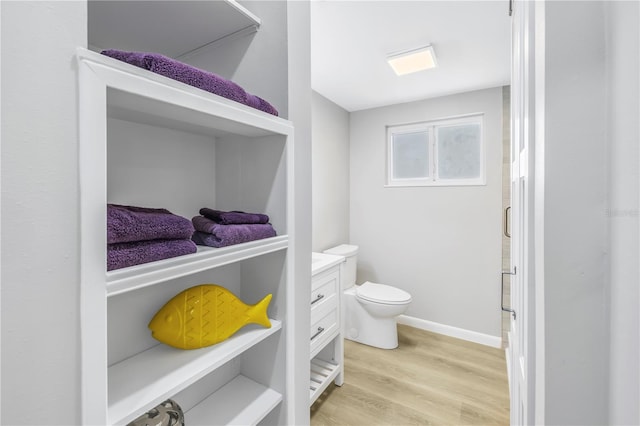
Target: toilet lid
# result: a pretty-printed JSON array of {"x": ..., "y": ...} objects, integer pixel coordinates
[{"x": 382, "y": 293}]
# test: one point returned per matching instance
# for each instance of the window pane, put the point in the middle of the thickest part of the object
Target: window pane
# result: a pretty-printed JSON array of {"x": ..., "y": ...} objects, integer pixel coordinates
[
  {"x": 410, "y": 155},
  {"x": 459, "y": 151}
]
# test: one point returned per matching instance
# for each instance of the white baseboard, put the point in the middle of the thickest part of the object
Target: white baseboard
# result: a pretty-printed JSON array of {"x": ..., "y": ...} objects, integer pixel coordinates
[{"x": 447, "y": 330}]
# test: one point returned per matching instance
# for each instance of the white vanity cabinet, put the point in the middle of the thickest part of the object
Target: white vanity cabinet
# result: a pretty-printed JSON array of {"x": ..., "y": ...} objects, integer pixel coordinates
[
  {"x": 326, "y": 335},
  {"x": 151, "y": 141},
  {"x": 325, "y": 309}
]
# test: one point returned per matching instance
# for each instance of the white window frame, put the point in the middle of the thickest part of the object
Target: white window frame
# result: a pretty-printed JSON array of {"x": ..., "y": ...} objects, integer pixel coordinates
[{"x": 431, "y": 127}]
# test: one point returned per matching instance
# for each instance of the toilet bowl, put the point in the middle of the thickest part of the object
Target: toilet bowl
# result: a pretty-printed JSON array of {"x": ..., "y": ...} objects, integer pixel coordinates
[
  {"x": 382, "y": 300},
  {"x": 370, "y": 309}
]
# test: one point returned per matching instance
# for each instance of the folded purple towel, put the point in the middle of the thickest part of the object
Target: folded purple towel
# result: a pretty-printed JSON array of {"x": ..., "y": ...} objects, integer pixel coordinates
[
  {"x": 122, "y": 255},
  {"x": 192, "y": 76},
  {"x": 130, "y": 223},
  {"x": 203, "y": 224},
  {"x": 228, "y": 235},
  {"x": 233, "y": 217}
]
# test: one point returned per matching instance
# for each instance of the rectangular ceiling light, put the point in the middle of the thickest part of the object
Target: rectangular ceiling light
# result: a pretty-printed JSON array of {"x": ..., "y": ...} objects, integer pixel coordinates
[{"x": 413, "y": 60}]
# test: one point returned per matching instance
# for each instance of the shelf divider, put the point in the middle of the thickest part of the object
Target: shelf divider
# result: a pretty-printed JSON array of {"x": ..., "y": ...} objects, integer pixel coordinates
[{"x": 139, "y": 276}]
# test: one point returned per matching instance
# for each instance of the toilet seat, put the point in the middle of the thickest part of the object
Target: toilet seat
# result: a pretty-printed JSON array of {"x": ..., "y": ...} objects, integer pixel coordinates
[{"x": 382, "y": 293}]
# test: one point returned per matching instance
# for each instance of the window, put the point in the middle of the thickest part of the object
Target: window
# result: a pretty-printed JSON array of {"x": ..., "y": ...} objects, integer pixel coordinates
[{"x": 436, "y": 153}]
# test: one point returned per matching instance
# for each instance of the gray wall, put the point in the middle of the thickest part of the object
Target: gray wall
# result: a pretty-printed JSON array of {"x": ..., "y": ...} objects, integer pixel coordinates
[
  {"x": 623, "y": 72},
  {"x": 576, "y": 308},
  {"x": 441, "y": 244},
  {"x": 590, "y": 210},
  {"x": 330, "y": 174},
  {"x": 40, "y": 253}
]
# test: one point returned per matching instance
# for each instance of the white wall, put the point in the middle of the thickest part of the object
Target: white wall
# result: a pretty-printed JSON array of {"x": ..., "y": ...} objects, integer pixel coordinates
[
  {"x": 441, "y": 244},
  {"x": 136, "y": 178},
  {"x": 40, "y": 253},
  {"x": 330, "y": 174},
  {"x": 576, "y": 305},
  {"x": 590, "y": 152},
  {"x": 299, "y": 102},
  {"x": 623, "y": 72}
]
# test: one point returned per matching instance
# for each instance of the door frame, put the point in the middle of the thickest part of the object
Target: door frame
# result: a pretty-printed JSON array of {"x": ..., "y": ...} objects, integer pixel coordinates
[
  {"x": 537, "y": 31},
  {"x": 526, "y": 346}
]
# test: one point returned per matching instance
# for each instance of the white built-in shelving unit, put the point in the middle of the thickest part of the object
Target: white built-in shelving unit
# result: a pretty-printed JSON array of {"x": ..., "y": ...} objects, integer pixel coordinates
[{"x": 151, "y": 141}]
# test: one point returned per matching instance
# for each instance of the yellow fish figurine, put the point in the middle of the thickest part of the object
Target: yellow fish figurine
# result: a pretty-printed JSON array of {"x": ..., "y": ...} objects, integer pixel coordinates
[{"x": 205, "y": 315}]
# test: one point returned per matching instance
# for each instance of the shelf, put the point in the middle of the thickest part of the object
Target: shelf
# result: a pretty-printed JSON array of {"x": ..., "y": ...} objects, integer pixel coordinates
[
  {"x": 139, "y": 276},
  {"x": 240, "y": 402},
  {"x": 133, "y": 107},
  {"x": 141, "y": 382},
  {"x": 139, "y": 95},
  {"x": 322, "y": 373},
  {"x": 159, "y": 26}
]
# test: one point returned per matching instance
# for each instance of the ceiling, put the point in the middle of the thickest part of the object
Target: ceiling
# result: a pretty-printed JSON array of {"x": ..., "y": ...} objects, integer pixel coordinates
[{"x": 350, "y": 41}]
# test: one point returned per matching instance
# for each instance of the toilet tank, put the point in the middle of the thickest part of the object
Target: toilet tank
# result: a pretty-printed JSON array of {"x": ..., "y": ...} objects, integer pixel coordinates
[{"x": 350, "y": 254}]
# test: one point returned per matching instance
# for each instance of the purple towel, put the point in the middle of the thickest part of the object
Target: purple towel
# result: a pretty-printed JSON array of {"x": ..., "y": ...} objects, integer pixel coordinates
[
  {"x": 209, "y": 233},
  {"x": 128, "y": 254},
  {"x": 192, "y": 76},
  {"x": 130, "y": 223},
  {"x": 233, "y": 217}
]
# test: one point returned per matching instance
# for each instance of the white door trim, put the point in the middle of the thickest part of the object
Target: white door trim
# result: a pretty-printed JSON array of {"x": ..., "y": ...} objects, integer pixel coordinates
[{"x": 539, "y": 176}]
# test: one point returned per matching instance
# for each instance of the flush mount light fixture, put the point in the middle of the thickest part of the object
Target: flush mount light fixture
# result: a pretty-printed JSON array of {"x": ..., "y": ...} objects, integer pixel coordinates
[{"x": 413, "y": 60}]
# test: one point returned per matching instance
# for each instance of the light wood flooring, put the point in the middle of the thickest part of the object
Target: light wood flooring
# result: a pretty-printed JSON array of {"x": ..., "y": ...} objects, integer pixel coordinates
[{"x": 428, "y": 379}]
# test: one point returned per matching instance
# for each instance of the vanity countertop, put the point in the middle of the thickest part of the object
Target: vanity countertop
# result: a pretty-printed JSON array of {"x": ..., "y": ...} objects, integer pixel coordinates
[{"x": 321, "y": 262}]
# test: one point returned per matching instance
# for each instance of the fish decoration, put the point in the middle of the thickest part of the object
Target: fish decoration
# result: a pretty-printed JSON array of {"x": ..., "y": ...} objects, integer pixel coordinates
[{"x": 205, "y": 315}]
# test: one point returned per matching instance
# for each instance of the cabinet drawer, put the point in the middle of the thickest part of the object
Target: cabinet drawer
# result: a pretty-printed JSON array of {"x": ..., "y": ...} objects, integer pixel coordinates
[
  {"x": 322, "y": 330},
  {"x": 323, "y": 291},
  {"x": 325, "y": 277}
]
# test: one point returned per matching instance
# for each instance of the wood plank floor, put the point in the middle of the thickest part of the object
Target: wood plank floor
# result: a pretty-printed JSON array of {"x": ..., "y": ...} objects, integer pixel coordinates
[{"x": 428, "y": 379}]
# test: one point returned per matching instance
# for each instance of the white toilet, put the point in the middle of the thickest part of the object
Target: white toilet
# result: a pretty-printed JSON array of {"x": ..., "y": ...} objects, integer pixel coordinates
[{"x": 370, "y": 309}]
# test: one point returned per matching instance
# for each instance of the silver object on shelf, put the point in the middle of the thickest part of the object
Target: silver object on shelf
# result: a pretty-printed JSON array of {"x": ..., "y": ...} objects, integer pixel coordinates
[{"x": 167, "y": 413}]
